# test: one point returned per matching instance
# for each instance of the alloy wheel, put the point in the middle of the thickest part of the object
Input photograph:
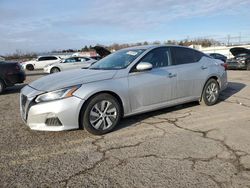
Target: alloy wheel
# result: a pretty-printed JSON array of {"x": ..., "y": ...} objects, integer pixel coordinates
[
  {"x": 212, "y": 92},
  {"x": 103, "y": 115}
]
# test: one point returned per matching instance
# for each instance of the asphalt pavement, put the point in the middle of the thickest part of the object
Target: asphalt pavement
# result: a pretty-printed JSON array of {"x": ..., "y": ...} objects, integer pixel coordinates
[{"x": 184, "y": 146}]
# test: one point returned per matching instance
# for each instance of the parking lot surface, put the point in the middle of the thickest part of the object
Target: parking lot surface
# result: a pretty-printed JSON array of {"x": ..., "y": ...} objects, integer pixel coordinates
[{"x": 184, "y": 146}]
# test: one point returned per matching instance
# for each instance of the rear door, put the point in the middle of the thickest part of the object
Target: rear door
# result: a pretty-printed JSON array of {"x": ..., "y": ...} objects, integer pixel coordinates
[
  {"x": 191, "y": 70},
  {"x": 155, "y": 86}
]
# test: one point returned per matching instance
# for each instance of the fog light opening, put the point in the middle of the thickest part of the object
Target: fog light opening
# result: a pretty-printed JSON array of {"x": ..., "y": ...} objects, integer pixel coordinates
[{"x": 53, "y": 121}]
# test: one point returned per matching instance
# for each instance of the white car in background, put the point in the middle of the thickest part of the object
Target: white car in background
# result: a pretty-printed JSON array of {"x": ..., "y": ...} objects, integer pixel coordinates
[
  {"x": 40, "y": 62},
  {"x": 69, "y": 63}
]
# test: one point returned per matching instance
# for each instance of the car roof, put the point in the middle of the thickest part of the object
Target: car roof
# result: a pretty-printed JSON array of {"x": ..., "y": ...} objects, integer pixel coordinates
[
  {"x": 48, "y": 56},
  {"x": 146, "y": 47}
]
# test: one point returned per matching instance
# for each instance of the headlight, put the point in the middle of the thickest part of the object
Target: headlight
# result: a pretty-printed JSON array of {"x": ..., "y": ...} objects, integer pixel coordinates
[{"x": 58, "y": 94}]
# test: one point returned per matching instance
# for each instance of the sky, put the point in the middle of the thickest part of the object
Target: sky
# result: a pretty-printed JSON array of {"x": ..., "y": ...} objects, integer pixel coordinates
[{"x": 45, "y": 25}]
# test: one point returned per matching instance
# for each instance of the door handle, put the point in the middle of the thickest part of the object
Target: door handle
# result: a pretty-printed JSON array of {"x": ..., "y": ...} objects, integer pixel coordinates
[
  {"x": 203, "y": 67},
  {"x": 171, "y": 75}
]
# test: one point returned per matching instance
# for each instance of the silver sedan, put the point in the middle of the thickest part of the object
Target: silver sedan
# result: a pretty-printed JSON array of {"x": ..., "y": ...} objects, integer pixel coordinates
[{"x": 128, "y": 82}]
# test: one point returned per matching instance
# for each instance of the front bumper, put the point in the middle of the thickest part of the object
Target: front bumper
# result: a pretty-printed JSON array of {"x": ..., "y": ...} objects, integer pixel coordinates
[{"x": 38, "y": 116}]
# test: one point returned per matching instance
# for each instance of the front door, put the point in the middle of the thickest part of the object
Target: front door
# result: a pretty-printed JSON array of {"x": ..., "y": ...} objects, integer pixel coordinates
[{"x": 155, "y": 86}]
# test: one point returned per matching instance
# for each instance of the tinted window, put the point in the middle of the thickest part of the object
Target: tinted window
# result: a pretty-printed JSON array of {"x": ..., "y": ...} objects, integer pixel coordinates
[
  {"x": 158, "y": 57},
  {"x": 182, "y": 56},
  {"x": 197, "y": 55},
  {"x": 47, "y": 58}
]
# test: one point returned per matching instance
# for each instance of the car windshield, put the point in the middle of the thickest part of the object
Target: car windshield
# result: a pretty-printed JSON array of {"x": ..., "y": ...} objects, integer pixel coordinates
[{"x": 118, "y": 60}]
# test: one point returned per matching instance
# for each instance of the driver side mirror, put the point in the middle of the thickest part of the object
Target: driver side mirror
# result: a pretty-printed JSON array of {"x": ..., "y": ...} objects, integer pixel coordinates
[{"x": 144, "y": 66}]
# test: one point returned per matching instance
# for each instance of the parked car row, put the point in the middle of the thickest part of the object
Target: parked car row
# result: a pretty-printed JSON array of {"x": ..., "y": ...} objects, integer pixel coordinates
[
  {"x": 241, "y": 59},
  {"x": 127, "y": 82},
  {"x": 53, "y": 64},
  {"x": 12, "y": 73}
]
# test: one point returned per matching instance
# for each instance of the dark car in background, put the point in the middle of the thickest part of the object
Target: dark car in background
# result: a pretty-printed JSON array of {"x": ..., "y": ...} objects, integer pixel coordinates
[
  {"x": 218, "y": 56},
  {"x": 10, "y": 74},
  {"x": 96, "y": 57},
  {"x": 241, "y": 59},
  {"x": 102, "y": 51}
]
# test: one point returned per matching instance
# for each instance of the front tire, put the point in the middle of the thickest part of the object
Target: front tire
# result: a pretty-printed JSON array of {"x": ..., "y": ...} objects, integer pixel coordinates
[
  {"x": 100, "y": 114},
  {"x": 30, "y": 67},
  {"x": 210, "y": 93},
  {"x": 2, "y": 86}
]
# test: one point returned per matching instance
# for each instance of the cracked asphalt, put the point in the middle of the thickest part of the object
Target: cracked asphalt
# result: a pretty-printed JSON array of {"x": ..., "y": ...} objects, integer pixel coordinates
[{"x": 184, "y": 146}]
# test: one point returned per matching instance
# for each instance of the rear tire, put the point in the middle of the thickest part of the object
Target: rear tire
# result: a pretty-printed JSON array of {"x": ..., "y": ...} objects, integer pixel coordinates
[
  {"x": 30, "y": 67},
  {"x": 2, "y": 86},
  {"x": 210, "y": 93},
  {"x": 100, "y": 114},
  {"x": 54, "y": 70}
]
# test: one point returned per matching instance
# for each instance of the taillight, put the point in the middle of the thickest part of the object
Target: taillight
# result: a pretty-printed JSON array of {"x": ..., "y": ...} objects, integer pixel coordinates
[{"x": 224, "y": 65}]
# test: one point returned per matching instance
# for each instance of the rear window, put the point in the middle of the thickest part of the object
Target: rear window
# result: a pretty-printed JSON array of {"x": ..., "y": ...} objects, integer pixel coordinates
[{"x": 182, "y": 56}]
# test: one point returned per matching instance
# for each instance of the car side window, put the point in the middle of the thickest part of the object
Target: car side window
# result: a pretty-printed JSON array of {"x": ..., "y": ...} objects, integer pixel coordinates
[
  {"x": 197, "y": 56},
  {"x": 52, "y": 58},
  {"x": 70, "y": 60},
  {"x": 42, "y": 59},
  {"x": 47, "y": 58},
  {"x": 182, "y": 55},
  {"x": 158, "y": 57},
  {"x": 82, "y": 59}
]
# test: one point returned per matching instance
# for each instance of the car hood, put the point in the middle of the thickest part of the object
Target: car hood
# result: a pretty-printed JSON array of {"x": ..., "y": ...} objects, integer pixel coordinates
[
  {"x": 238, "y": 50},
  {"x": 71, "y": 78}
]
